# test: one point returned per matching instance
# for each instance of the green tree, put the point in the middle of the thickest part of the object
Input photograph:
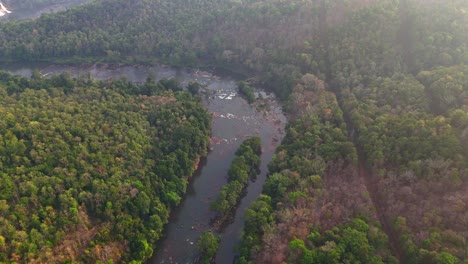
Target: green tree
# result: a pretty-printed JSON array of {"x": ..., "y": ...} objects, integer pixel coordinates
[
  {"x": 193, "y": 87},
  {"x": 208, "y": 245},
  {"x": 446, "y": 258}
]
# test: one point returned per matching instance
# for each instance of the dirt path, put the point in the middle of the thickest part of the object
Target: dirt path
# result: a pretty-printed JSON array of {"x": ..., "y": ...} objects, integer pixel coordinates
[
  {"x": 371, "y": 182},
  {"x": 377, "y": 200}
]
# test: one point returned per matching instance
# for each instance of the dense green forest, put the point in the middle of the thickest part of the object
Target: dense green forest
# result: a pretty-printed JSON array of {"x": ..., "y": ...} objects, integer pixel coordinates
[
  {"x": 90, "y": 170},
  {"x": 374, "y": 164}
]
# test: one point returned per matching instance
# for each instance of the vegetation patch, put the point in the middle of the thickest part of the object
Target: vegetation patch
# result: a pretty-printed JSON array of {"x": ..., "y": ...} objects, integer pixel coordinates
[{"x": 245, "y": 164}]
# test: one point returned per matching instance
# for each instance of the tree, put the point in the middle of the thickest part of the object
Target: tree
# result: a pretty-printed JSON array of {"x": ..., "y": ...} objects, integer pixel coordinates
[
  {"x": 246, "y": 91},
  {"x": 208, "y": 245},
  {"x": 446, "y": 258},
  {"x": 140, "y": 249},
  {"x": 193, "y": 87}
]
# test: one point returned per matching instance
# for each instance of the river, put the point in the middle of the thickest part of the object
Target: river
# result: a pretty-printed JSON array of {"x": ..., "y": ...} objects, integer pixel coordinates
[
  {"x": 233, "y": 121},
  {"x": 37, "y": 10}
]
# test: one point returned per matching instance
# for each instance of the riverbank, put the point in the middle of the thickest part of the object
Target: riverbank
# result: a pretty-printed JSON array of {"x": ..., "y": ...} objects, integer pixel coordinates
[
  {"x": 233, "y": 120},
  {"x": 32, "y": 11}
]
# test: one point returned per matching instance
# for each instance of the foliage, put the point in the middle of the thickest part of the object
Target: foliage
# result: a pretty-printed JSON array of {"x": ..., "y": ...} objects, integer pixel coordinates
[
  {"x": 447, "y": 87},
  {"x": 315, "y": 142},
  {"x": 208, "y": 246},
  {"x": 246, "y": 91},
  {"x": 355, "y": 242},
  {"x": 277, "y": 40},
  {"x": 193, "y": 87},
  {"x": 246, "y": 163},
  {"x": 88, "y": 166},
  {"x": 396, "y": 67},
  {"x": 257, "y": 218}
]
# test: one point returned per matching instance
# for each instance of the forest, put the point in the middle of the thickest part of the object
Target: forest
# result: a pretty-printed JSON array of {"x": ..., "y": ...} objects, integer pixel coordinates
[
  {"x": 373, "y": 168},
  {"x": 90, "y": 171}
]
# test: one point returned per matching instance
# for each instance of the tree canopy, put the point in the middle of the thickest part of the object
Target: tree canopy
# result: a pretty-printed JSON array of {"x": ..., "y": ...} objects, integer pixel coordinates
[{"x": 90, "y": 172}]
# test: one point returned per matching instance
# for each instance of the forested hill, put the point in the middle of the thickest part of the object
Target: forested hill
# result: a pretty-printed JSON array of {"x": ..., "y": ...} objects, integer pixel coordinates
[
  {"x": 278, "y": 40},
  {"x": 90, "y": 170}
]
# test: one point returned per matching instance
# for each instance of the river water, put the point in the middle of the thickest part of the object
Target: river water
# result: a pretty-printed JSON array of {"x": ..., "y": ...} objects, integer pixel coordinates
[
  {"x": 37, "y": 10},
  {"x": 233, "y": 121}
]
